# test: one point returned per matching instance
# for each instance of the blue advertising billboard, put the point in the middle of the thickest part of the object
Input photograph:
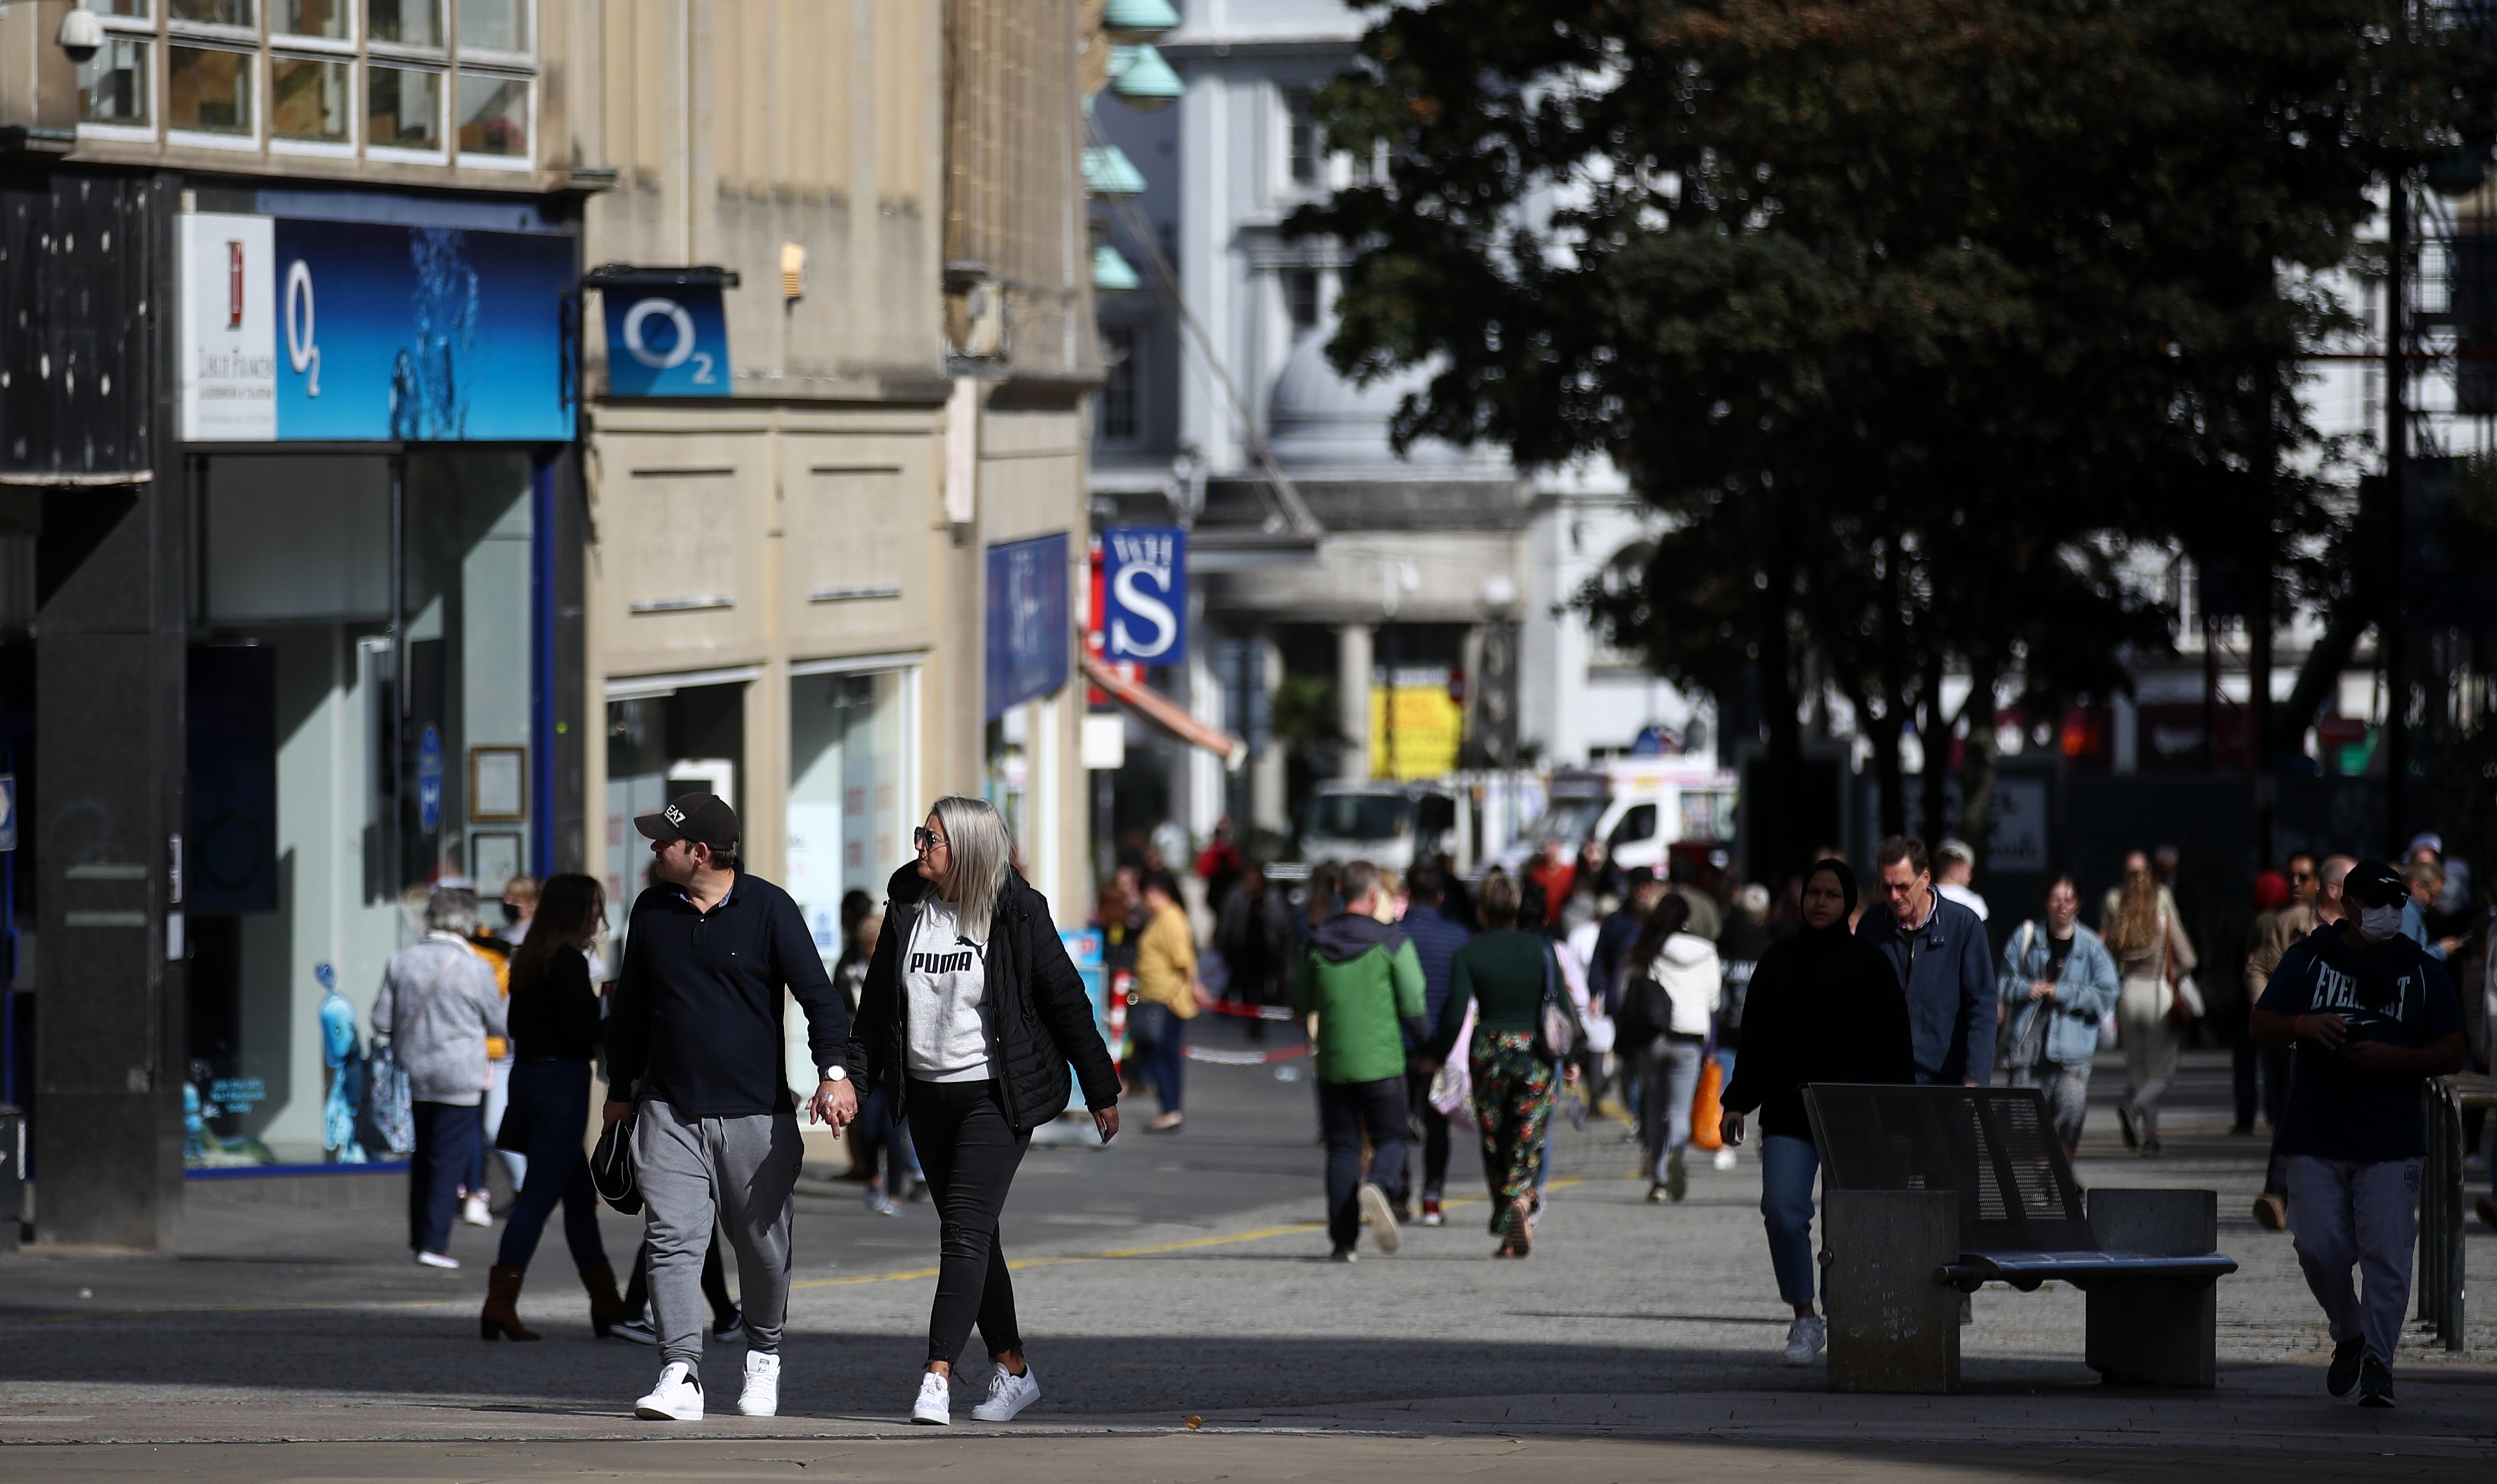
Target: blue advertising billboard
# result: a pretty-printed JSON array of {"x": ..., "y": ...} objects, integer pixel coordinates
[
  {"x": 1029, "y": 631},
  {"x": 296, "y": 330},
  {"x": 669, "y": 341},
  {"x": 1144, "y": 594}
]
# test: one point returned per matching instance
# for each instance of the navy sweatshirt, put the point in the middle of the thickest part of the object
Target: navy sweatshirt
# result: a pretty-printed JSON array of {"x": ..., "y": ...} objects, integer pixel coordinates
[{"x": 696, "y": 1020}]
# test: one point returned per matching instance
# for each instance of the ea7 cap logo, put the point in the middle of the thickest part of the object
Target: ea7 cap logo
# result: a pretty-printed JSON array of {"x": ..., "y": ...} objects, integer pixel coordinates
[
  {"x": 703, "y": 818},
  {"x": 2374, "y": 884}
]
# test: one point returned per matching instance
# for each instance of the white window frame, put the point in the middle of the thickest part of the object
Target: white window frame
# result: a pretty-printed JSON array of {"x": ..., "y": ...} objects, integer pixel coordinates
[
  {"x": 134, "y": 28},
  {"x": 217, "y": 39},
  {"x": 519, "y": 162},
  {"x": 440, "y": 156},
  {"x": 320, "y": 148}
]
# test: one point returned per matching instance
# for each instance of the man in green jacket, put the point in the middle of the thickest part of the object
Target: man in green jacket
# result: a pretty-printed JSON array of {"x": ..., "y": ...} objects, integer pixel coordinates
[{"x": 1361, "y": 980}]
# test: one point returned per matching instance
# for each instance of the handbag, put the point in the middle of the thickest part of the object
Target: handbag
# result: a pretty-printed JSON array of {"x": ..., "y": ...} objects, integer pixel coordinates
[
  {"x": 611, "y": 1169},
  {"x": 2185, "y": 996},
  {"x": 1708, "y": 1106},
  {"x": 1559, "y": 1033},
  {"x": 1452, "y": 1086}
]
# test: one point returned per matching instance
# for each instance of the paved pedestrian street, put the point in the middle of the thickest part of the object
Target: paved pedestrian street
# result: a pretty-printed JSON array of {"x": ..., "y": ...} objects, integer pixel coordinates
[{"x": 1185, "y": 1326}]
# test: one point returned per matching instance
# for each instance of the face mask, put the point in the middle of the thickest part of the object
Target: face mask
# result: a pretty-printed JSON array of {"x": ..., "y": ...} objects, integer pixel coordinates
[
  {"x": 511, "y": 913},
  {"x": 2379, "y": 925}
]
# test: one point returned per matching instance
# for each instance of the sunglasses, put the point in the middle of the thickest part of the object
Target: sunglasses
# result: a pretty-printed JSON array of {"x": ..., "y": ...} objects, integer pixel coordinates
[{"x": 924, "y": 839}]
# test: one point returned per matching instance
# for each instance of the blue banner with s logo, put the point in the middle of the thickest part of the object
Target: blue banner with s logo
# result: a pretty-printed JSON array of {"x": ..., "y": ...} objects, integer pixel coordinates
[{"x": 1144, "y": 587}]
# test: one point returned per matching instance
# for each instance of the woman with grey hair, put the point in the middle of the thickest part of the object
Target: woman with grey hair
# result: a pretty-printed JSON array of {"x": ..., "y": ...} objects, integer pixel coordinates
[
  {"x": 969, "y": 1017},
  {"x": 437, "y": 1005}
]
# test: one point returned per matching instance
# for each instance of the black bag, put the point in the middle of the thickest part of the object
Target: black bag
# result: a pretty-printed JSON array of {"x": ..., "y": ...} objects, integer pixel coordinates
[
  {"x": 1639, "y": 1021},
  {"x": 611, "y": 1169}
]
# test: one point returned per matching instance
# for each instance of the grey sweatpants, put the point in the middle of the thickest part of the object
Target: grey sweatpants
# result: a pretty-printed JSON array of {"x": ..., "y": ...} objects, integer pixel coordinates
[
  {"x": 740, "y": 1170},
  {"x": 2346, "y": 1213}
]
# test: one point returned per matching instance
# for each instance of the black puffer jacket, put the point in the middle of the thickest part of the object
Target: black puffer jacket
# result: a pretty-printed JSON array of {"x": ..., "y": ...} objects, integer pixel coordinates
[{"x": 1038, "y": 1013}]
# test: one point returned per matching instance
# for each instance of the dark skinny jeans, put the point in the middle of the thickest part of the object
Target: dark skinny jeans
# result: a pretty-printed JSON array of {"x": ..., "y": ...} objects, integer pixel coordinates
[
  {"x": 1349, "y": 1109},
  {"x": 446, "y": 1136},
  {"x": 552, "y": 1099},
  {"x": 968, "y": 1151}
]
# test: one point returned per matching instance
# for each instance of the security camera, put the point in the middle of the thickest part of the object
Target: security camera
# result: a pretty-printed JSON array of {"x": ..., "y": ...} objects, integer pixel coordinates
[{"x": 81, "y": 34}]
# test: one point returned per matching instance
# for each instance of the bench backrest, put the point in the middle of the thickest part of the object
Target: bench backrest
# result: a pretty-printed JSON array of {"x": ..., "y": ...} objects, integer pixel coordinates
[{"x": 1994, "y": 1145}]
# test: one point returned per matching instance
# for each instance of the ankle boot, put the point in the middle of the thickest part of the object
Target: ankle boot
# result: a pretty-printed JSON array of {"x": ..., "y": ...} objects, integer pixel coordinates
[
  {"x": 501, "y": 1315},
  {"x": 605, "y": 1308}
]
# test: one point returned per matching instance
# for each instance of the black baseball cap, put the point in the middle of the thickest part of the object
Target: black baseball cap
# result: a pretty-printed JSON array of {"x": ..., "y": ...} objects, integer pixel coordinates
[
  {"x": 2375, "y": 884},
  {"x": 706, "y": 819}
]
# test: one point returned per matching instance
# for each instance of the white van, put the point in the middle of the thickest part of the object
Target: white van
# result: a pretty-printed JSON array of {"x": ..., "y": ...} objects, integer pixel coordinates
[
  {"x": 1641, "y": 807},
  {"x": 1390, "y": 825}
]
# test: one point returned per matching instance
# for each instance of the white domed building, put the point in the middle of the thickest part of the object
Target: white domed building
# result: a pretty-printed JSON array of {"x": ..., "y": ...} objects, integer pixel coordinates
[{"x": 1332, "y": 567}]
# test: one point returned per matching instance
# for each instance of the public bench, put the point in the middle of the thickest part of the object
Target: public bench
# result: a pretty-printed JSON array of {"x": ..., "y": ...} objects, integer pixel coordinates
[{"x": 1929, "y": 1193}]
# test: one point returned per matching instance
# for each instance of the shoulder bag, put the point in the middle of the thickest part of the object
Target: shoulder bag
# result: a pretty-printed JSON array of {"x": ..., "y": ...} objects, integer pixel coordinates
[{"x": 1559, "y": 1033}]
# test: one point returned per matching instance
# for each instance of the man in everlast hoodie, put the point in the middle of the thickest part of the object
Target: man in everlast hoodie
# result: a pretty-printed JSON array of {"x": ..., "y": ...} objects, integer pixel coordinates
[{"x": 1361, "y": 980}]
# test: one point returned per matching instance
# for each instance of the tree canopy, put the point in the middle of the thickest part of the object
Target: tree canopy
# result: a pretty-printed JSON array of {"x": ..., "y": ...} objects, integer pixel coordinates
[{"x": 1911, "y": 316}]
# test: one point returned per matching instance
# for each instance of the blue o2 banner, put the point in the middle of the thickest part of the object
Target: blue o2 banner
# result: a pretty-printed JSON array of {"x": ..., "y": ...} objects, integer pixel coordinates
[
  {"x": 1029, "y": 632},
  {"x": 353, "y": 332},
  {"x": 666, "y": 342},
  {"x": 1144, "y": 594}
]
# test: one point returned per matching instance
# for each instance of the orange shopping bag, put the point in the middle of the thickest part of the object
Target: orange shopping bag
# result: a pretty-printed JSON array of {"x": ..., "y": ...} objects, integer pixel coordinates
[{"x": 1706, "y": 1112}]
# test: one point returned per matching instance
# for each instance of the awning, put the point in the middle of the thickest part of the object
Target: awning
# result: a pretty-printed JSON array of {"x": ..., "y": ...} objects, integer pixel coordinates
[{"x": 1163, "y": 713}]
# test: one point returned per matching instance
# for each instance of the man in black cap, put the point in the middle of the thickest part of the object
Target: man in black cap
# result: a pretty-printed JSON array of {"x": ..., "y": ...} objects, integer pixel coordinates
[
  {"x": 2370, "y": 1015},
  {"x": 695, "y": 1057}
]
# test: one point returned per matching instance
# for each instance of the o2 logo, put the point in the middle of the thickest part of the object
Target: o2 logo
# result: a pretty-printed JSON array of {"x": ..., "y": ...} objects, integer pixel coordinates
[
  {"x": 303, "y": 351},
  {"x": 681, "y": 348}
]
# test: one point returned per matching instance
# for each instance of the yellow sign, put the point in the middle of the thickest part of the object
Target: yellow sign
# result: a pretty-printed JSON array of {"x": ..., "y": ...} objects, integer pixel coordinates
[{"x": 1422, "y": 742}]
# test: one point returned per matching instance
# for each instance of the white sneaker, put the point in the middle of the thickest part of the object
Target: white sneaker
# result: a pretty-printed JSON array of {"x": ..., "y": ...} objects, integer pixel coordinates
[
  {"x": 935, "y": 1403},
  {"x": 1381, "y": 1218},
  {"x": 1008, "y": 1394},
  {"x": 761, "y": 1397},
  {"x": 437, "y": 1260},
  {"x": 677, "y": 1398},
  {"x": 473, "y": 1210},
  {"x": 1806, "y": 1338},
  {"x": 1726, "y": 1158}
]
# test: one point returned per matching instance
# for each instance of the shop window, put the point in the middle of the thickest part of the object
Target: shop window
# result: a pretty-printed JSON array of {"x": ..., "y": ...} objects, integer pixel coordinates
[
  {"x": 406, "y": 22},
  {"x": 343, "y": 764},
  {"x": 209, "y": 90},
  {"x": 405, "y": 109},
  {"x": 310, "y": 100},
  {"x": 112, "y": 84},
  {"x": 661, "y": 742},
  {"x": 331, "y": 19},
  {"x": 494, "y": 115},
  {"x": 851, "y": 805}
]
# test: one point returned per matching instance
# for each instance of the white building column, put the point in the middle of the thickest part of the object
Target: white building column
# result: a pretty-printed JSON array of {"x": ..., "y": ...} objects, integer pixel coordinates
[
  {"x": 1352, "y": 678},
  {"x": 1268, "y": 775}
]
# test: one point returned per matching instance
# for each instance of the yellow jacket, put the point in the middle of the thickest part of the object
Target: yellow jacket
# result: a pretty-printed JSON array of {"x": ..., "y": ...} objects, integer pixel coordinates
[{"x": 1166, "y": 963}]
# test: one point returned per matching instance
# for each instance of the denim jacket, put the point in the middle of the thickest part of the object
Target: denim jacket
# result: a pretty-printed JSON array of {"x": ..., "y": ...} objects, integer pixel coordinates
[{"x": 2084, "y": 994}]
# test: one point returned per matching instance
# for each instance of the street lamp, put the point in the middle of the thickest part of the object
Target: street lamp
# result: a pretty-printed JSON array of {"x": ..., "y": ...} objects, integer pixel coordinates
[
  {"x": 1134, "y": 23},
  {"x": 1141, "y": 80}
]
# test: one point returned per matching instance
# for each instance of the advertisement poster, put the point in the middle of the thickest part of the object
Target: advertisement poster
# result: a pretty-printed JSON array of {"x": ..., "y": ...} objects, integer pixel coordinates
[{"x": 353, "y": 332}]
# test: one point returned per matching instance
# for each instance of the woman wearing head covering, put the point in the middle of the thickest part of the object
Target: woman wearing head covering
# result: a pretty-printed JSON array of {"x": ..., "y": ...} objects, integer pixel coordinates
[
  {"x": 969, "y": 1017},
  {"x": 1823, "y": 1007}
]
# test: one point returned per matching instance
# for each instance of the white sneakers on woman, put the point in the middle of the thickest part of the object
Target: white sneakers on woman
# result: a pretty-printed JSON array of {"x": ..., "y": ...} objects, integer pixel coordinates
[
  {"x": 935, "y": 1403},
  {"x": 1008, "y": 1394}
]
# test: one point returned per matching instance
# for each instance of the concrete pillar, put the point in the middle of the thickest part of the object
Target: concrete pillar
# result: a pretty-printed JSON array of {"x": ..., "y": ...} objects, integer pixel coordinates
[
  {"x": 2155, "y": 1331},
  {"x": 109, "y": 676},
  {"x": 1267, "y": 775},
  {"x": 1891, "y": 1327},
  {"x": 1352, "y": 667}
]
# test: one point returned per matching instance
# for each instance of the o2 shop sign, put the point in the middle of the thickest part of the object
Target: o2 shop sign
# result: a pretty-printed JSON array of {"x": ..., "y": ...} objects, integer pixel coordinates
[
  {"x": 347, "y": 332},
  {"x": 1144, "y": 587},
  {"x": 667, "y": 342}
]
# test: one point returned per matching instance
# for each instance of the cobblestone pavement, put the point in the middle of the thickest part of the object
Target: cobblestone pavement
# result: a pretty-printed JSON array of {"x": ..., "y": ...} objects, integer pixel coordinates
[{"x": 1165, "y": 1278}]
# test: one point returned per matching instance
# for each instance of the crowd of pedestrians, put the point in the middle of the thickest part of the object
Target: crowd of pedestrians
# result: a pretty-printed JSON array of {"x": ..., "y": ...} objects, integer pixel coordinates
[{"x": 1440, "y": 1012}]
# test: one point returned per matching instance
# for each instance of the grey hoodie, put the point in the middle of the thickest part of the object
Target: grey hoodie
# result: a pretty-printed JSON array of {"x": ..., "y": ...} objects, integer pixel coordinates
[{"x": 438, "y": 1004}]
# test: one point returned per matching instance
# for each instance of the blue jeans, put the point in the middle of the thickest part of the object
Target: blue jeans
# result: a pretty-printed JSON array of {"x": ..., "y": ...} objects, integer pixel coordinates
[
  {"x": 1348, "y": 1108},
  {"x": 446, "y": 1140},
  {"x": 552, "y": 1100},
  {"x": 1789, "y": 1167},
  {"x": 1164, "y": 1051}
]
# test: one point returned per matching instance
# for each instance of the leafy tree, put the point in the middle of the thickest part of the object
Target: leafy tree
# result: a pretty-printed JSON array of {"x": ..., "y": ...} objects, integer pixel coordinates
[{"x": 1911, "y": 316}]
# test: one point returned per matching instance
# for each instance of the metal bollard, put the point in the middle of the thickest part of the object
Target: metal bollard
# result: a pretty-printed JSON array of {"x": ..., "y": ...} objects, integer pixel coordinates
[{"x": 13, "y": 1174}]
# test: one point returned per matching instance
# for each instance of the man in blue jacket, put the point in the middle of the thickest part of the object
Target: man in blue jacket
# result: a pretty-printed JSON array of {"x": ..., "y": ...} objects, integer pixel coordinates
[{"x": 1939, "y": 952}]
